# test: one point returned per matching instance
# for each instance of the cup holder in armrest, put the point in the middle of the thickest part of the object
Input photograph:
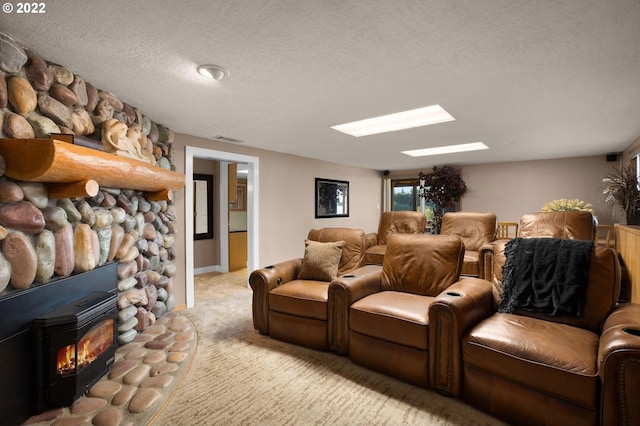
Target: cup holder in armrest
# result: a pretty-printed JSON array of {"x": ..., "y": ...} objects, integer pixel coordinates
[
  {"x": 348, "y": 276},
  {"x": 453, "y": 294},
  {"x": 269, "y": 267},
  {"x": 632, "y": 331}
]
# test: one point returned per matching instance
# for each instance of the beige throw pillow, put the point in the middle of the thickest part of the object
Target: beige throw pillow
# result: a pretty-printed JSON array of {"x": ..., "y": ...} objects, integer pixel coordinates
[{"x": 321, "y": 260}]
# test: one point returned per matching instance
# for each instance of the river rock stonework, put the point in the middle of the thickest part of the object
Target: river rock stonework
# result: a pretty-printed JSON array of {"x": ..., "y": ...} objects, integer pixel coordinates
[
  {"x": 42, "y": 245},
  {"x": 43, "y": 239},
  {"x": 38, "y": 99}
]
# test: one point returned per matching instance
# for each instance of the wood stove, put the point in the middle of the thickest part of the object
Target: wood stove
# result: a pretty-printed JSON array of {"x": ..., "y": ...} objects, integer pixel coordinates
[
  {"x": 74, "y": 347},
  {"x": 18, "y": 310}
]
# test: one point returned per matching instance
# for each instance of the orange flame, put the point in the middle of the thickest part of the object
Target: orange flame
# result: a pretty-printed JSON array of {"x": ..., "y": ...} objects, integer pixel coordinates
[{"x": 89, "y": 348}]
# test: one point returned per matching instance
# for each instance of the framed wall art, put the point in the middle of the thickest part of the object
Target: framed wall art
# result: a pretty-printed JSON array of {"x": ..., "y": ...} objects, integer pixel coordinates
[{"x": 332, "y": 198}]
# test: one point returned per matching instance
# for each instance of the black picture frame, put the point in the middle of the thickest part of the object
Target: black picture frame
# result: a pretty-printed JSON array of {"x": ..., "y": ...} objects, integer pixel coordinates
[
  {"x": 207, "y": 181},
  {"x": 332, "y": 198}
]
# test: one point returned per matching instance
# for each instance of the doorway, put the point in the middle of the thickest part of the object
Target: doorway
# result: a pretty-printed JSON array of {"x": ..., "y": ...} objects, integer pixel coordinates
[
  {"x": 222, "y": 211},
  {"x": 237, "y": 217}
]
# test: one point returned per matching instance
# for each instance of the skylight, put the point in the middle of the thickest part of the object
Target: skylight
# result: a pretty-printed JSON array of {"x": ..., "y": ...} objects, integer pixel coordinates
[
  {"x": 398, "y": 121},
  {"x": 448, "y": 149}
]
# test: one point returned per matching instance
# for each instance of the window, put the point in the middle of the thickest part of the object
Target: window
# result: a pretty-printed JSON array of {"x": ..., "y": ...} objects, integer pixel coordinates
[
  {"x": 405, "y": 198},
  {"x": 405, "y": 194}
]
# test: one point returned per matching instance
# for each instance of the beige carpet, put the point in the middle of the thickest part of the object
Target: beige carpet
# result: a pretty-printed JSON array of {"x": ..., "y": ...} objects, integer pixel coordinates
[{"x": 239, "y": 377}]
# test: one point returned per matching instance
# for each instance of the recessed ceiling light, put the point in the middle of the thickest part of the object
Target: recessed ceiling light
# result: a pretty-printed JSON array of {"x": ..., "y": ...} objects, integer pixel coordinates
[
  {"x": 398, "y": 121},
  {"x": 215, "y": 72},
  {"x": 475, "y": 146}
]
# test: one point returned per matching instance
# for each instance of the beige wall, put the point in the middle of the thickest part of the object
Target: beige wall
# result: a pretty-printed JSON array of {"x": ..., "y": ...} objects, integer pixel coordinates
[
  {"x": 512, "y": 189},
  {"x": 286, "y": 197},
  {"x": 287, "y": 213}
]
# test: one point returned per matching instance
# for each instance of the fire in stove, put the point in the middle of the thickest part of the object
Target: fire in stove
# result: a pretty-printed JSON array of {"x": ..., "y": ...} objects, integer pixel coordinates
[{"x": 74, "y": 357}]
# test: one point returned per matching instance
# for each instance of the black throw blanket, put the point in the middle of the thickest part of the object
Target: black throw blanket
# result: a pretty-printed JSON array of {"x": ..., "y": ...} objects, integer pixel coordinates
[{"x": 548, "y": 275}]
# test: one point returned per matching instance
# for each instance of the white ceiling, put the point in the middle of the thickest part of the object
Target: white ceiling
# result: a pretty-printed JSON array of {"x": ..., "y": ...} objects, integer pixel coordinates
[{"x": 531, "y": 79}]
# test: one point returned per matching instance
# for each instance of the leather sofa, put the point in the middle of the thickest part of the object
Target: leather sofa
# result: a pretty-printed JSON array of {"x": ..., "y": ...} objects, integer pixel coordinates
[
  {"x": 289, "y": 306},
  {"x": 530, "y": 367},
  {"x": 389, "y": 314},
  {"x": 523, "y": 367},
  {"x": 476, "y": 230},
  {"x": 392, "y": 222}
]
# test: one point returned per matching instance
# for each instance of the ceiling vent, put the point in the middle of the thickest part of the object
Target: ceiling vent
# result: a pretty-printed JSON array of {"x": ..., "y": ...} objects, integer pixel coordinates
[{"x": 226, "y": 139}]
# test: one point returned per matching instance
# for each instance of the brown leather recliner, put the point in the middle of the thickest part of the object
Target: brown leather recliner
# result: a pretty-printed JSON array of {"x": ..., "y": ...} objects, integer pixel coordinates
[
  {"x": 577, "y": 225},
  {"x": 298, "y": 310},
  {"x": 389, "y": 321},
  {"x": 476, "y": 230},
  {"x": 533, "y": 368},
  {"x": 446, "y": 312},
  {"x": 394, "y": 222}
]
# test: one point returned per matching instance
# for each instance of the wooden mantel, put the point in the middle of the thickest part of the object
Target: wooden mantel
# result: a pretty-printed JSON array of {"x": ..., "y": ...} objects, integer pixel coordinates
[{"x": 76, "y": 171}]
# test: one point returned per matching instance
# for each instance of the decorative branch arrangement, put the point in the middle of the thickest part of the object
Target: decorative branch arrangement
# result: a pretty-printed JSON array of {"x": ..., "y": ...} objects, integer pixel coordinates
[
  {"x": 620, "y": 189},
  {"x": 443, "y": 187}
]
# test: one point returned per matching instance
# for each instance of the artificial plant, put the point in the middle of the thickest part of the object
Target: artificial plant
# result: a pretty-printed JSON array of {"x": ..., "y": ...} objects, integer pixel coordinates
[
  {"x": 620, "y": 189},
  {"x": 564, "y": 204},
  {"x": 443, "y": 186}
]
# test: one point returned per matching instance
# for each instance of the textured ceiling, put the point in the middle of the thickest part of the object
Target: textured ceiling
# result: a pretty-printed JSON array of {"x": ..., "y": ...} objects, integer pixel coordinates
[{"x": 530, "y": 79}]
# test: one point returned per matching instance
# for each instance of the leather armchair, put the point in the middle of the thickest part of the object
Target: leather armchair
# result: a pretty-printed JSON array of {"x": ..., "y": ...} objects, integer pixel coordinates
[
  {"x": 619, "y": 366},
  {"x": 476, "y": 230},
  {"x": 577, "y": 225},
  {"x": 296, "y": 310},
  {"x": 533, "y": 368},
  {"x": 467, "y": 302},
  {"x": 394, "y": 222},
  {"x": 389, "y": 323}
]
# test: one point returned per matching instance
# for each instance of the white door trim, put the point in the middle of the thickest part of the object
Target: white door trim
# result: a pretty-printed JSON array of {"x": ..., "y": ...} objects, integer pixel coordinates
[{"x": 222, "y": 210}]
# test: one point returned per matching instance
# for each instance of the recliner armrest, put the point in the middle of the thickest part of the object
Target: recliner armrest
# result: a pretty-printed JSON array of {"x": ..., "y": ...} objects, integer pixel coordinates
[
  {"x": 451, "y": 315},
  {"x": 485, "y": 261},
  {"x": 262, "y": 281},
  {"x": 372, "y": 239},
  {"x": 343, "y": 292},
  {"x": 619, "y": 366}
]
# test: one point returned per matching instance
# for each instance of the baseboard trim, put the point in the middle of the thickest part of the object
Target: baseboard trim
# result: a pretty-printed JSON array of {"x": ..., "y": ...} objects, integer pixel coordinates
[{"x": 207, "y": 269}]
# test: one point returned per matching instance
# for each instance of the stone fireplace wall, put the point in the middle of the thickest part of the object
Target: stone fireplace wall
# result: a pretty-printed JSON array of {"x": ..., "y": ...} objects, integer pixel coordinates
[{"x": 42, "y": 238}]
